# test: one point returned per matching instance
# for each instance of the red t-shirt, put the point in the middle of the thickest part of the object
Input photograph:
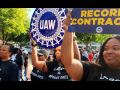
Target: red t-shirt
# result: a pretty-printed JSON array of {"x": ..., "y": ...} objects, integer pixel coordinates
[{"x": 90, "y": 56}]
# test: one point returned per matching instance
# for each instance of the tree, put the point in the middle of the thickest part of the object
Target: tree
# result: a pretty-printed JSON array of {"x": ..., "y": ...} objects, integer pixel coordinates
[
  {"x": 22, "y": 39},
  {"x": 102, "y": 37},
  {"x": 13, "y": 20},
  {"x": 86, "y": 38}
]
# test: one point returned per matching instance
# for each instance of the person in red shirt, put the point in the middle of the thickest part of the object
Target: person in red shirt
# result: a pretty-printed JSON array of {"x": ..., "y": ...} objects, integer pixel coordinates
[{"x": 90, "y": 56}]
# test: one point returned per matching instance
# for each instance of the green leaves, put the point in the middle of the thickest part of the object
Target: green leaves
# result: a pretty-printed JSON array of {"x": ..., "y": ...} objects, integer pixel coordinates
[
  {"x": 13, "y": 20},
  {"x": 92, "y": 37}
]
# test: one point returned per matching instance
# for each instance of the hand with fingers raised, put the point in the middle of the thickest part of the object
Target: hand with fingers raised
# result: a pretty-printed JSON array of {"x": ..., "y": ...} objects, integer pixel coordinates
[
  {"x": 33, "y": 42},
  {"x": 67, "y": 21}
]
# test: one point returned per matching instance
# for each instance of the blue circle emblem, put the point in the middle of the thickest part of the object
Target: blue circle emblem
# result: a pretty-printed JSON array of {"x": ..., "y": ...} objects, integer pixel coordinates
[{"x": 47, "y": 26}]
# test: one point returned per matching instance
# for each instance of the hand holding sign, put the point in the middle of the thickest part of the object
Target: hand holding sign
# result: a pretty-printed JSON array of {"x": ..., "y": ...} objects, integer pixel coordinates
[
  {"x": 47, "y": 26},
  {"x": 67, "y": 21},
  {"x": 31, "y": 38}
]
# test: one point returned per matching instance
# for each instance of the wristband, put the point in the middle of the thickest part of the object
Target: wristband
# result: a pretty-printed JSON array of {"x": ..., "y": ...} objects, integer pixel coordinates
[
  {"x": 34, "y": 48},
  {"x": 34, "y": 45}
]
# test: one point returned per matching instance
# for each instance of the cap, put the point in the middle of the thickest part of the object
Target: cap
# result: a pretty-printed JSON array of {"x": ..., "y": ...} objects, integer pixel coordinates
[
  {"x": 43, "y": 52},
  {"x": 25, "y": 52}
]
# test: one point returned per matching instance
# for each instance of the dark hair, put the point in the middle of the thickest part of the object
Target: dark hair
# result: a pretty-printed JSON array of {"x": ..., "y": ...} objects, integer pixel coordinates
[
  {"x": 11, "y": 48},
  {"x": 81, "y": 51},
  {"x": 49, "y": 58},
  {"x": 17, "y": 49},
  {"x": 101, "y": 59},
  {"x": 101, "y": 65}
]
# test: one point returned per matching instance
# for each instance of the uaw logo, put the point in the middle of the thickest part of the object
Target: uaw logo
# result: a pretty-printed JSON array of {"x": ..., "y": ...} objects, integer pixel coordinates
[
  {"x": 47, "y": 26},
  {"x": 99, "y": 29}
]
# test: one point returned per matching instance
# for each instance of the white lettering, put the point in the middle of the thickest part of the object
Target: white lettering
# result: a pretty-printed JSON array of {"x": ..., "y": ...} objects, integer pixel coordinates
[
  {"x": 41, "y": 77},
  {"x": 38, "y": 76},
  {"x": 51, "y": 24},
  {"x": 41, "y": 24},
  {"x": 105, "y": 77},
  {"x": 34, "y": 74},
  {"x": 58, "y": 77},
  {"x": 47, "y": 24},
  {"x": 53, "y": 77},
  {"x": 64, "y": 77},
  {"x": 110, "y": 79},
  {"x": 59, "y": 69},
  {"x": 117, "y": 80}
]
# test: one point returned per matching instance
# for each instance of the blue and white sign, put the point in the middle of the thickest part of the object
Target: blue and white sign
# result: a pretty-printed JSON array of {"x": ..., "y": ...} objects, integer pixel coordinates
[
  {"x": 95, "y": 20},
  {"x": 47, "y": 26}
]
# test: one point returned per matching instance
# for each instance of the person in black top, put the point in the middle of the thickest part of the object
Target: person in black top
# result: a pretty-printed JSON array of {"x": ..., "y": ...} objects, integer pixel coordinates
[
  {"x": 108, "y": 68},
  {"x": 8, "y": 69},
  {"x": 83, "y": 58},
  {"x": 56, "y": 70},
  {"x": 37, "y": 75},
  {"x": 20, "y": 62}
]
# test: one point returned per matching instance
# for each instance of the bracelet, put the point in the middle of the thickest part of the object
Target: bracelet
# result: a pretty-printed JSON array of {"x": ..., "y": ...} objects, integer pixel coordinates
[{"x": 34, "y": 45}]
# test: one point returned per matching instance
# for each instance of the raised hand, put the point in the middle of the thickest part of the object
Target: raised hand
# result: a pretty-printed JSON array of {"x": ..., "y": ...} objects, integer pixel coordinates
[
  {"x": 67, "y": 21},
  {"x": 31, "y": 38}
]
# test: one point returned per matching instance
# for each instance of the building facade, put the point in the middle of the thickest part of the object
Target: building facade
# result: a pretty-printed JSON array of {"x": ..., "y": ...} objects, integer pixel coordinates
[{"x": 92, "y": 46}]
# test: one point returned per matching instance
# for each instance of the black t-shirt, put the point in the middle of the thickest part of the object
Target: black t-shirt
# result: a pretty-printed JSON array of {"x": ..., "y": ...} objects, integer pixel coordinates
[
  {"x": 84, "y": 58},
  {"x": 25, "y": 62},
  {"x": 58, "y": 73},
  {"x": 9, "y": 71},
  {"x": 19, "y": 60},
  {"x": 37, "y": 75},
  {"x": 109, "y": 74}
]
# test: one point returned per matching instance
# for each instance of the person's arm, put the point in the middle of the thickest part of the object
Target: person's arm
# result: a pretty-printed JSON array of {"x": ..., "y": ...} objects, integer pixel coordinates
[
  {"x": 38, "y": 64},
  {"x": 21, "y": 61},
  {"x": 27, "y": 62},
  {"x": 76, "y": 50},
  {"x": 21, "y": 67},
  {"x": 73, "y": 67}
]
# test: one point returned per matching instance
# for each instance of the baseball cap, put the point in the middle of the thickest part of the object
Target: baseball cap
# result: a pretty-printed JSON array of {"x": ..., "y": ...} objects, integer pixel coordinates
[
  {"x": 25, "y": 52},
  {"x": 43, "y": 52}
]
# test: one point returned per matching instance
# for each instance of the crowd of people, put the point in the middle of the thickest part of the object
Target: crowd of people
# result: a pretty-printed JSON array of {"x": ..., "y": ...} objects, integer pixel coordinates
[
  {"x": 65, "y": 63},
  {"x": 91, "y": 56}
]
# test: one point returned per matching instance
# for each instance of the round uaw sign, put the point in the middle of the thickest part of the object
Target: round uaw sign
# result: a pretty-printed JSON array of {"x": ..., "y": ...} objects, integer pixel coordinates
[{"x": 47, "y": 26}]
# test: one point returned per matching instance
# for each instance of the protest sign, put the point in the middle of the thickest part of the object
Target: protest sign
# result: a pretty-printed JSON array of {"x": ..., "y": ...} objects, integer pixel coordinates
[
  {"x": 47, "y": 26},
  {"x": 95, "y": 20}
]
